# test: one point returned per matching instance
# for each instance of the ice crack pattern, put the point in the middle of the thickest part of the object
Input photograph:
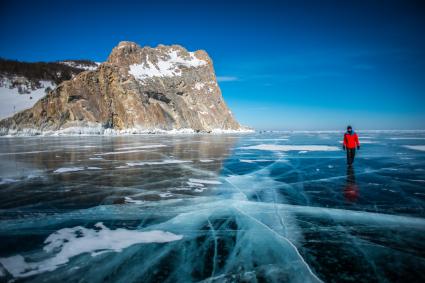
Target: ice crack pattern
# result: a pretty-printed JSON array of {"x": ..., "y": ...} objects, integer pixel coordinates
[{"x": 278, "y": 207}]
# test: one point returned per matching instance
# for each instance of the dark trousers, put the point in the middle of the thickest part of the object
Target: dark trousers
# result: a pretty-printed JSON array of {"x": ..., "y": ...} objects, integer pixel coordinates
[{"x": 351, "y": 152}]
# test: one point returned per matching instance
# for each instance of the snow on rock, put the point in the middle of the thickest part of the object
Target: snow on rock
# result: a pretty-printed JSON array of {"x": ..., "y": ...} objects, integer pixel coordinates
[
  {"x": 199, "y": 86},
  {"x": 168, "y": 67},
  {"x": 66, "y": 243},
  {"x": 83, "y": 66}
]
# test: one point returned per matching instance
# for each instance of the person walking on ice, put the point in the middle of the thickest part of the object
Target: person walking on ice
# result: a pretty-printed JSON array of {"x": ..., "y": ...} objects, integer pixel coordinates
[{"x": 349, "y": 144}]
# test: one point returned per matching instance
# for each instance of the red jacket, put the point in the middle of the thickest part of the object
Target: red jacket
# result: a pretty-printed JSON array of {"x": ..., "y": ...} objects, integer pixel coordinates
[{"x": 351, "y": 141}]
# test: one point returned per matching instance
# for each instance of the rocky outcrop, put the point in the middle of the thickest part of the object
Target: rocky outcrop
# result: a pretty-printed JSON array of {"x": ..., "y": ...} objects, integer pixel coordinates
[{"x": 137, "y": 88}]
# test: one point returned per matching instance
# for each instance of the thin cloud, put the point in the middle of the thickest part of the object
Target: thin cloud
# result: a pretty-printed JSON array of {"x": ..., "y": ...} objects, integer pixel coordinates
[{"x": 227, "y": 79}]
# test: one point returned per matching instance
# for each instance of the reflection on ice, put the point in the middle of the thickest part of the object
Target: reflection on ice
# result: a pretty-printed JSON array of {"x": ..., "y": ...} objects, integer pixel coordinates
[{"x": 351, "y": 190}]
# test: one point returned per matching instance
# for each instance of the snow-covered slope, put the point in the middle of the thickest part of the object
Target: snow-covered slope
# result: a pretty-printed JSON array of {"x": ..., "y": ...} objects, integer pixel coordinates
[
  {"x": 81, "y": 64},
  {"x": 22, "y": 84},
  {"x": 17, "y": 97}
]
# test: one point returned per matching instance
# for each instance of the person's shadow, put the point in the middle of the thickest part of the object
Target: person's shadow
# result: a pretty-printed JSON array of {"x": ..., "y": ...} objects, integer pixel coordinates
[{"x": 351, "y": 190}]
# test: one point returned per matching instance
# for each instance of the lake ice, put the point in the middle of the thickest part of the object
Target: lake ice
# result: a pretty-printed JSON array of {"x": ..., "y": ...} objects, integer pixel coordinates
[{"x": 265, "y": 207}]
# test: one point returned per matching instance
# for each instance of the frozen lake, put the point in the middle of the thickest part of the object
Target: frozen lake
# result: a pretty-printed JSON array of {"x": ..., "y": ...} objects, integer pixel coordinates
[{"x": 265, "y": 207}]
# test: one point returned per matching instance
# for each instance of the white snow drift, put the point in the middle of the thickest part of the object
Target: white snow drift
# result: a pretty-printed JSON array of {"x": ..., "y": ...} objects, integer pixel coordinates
[
  {"x": 69, "y": 242},
  {"x": 279, "y": 147}
]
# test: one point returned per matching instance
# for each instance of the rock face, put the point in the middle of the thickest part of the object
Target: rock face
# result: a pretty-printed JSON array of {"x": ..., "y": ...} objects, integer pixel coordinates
[{"x": 137, "y": 88}]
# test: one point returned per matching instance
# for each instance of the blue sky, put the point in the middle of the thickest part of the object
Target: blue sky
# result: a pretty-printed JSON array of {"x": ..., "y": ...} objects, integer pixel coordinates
[{"x": 281, "y": 64}]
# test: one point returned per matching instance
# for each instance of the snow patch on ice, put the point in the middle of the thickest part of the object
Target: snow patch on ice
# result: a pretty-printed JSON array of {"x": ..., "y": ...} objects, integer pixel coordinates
[
  {"x": 166, "y": 161},
  {"x": 142, "y": 146},
  {"x": 191, "y": 184},
  {"x": 94, "y": 168},
  {"x": 122, "y": 167},
  {"x": 119, "y": 152},
  {"x": 68, "y": 169},
  {"x": 206, "y": 160},
  {"x": 407, "y": 138},
  {"x": 278, "y": 147},
  {"x": 4, "y": 181},
  {"x": 130, "y": 200},
  {"x": 66, "y": 243},
  {"x": 255, "y": 160},
  {"x": 416, "y": 147},
  {"x": 203, "y": 181}
]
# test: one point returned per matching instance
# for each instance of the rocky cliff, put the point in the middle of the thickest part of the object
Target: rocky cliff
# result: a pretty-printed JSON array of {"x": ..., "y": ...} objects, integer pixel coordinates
[
  {"x": 137, "y": 89},
  {"x": 22, "y": 84}
]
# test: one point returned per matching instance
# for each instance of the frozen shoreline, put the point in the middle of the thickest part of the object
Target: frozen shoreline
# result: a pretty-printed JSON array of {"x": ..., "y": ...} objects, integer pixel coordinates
[{"x": 100, "y": 131}]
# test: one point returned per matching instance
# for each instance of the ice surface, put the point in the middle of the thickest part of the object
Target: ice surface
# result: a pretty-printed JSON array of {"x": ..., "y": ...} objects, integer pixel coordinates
[{"x": 291, "y": 212}]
